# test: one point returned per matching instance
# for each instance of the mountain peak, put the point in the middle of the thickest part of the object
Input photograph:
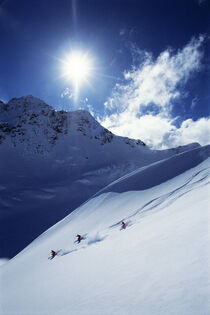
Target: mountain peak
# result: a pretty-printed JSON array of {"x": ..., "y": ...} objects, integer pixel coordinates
[
  {"x": 29, "y": 103},
  {"x": 31, "y": 122}
]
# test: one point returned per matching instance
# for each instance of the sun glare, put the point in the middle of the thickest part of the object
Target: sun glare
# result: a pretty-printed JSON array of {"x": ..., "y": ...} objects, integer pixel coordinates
[{"x": 77, "y": 67}]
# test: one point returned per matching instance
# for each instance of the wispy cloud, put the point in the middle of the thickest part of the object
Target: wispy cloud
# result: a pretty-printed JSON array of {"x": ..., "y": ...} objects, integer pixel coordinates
[
  {"x": 122, "y": 31},
  {"x": 194, "y": 102},
  {"x": 67, "y": 93},
  {"x": 189, "y": 131},
  {"x": 157, "y": 81},
  {"x": 141, "y": 107}
]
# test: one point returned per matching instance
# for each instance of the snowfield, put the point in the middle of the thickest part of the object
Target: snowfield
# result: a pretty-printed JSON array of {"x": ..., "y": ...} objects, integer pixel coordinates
[{"x": 158, "y": 265}]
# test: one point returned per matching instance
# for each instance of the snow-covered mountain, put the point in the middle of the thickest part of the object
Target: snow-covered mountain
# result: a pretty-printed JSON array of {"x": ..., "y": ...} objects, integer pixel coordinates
[
  {"x": 159, "y": 264},
  {"x": 52, "y": 161},
  {"x": 40, "y": 128}
]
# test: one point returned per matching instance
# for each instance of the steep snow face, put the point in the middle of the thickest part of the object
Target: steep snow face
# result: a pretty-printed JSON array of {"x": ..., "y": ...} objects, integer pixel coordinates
[
  {"x": 166, "y": 169},
  {"x": 52, "y": 161},
  {"x": 157, "y": 265}
]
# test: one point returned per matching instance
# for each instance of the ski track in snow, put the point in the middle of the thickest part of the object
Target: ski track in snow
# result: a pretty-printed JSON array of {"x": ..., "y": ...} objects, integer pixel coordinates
[
  {"x": 158, "y": 265},
  {"x": 196, "y": 181},
  {"x": 174, "y": 194}
]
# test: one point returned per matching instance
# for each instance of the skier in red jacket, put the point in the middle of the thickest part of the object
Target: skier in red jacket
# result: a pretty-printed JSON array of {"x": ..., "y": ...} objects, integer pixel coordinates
[{"x": 53, "y": 254}]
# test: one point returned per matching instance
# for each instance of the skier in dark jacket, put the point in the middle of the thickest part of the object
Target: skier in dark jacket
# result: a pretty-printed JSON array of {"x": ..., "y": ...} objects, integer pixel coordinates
[{"x": 79, "y": 238}]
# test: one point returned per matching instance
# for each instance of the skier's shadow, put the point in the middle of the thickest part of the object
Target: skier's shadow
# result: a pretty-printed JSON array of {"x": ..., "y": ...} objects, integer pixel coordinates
[
  {"x": 128, "y": 223},
  {"x": 66, "y": 252},
  {"x": 96, "y": 239}
]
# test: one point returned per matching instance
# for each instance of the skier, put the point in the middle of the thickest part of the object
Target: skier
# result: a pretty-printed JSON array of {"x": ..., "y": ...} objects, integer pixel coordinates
[
  {"x": 123, "y": 225},
  {"x": 53, "y": 254},
  {"x": 79, "y": 238}
]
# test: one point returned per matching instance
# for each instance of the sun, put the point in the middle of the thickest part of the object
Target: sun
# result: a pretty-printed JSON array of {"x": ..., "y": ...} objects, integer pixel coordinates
[{"x": 77, "y": 67}]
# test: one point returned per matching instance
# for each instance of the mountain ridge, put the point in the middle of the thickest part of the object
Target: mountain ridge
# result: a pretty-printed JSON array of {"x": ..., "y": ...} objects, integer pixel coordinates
[
  {"x": 23, "y": 117},
  {"x": 53, "y": 161}
]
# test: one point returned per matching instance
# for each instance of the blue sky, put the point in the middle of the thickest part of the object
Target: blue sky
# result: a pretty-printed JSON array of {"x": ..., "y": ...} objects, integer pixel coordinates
[{"x": 150, "y": 62}]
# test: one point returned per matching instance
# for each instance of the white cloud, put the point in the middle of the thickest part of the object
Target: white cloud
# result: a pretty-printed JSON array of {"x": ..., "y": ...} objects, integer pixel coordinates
[
  {"x": 151, "y": 129},
  {"x": 159, "y": 132},
  {"x": 156, "y": 82},
  {"x": 191, "y": 131},
  {"x": 67, "y": 93}
]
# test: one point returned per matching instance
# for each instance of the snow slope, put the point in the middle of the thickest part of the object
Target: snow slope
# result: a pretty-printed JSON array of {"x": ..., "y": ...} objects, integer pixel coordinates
[
  {"x": 48, "y": 157},
  {"x": 158, "y": 265}
]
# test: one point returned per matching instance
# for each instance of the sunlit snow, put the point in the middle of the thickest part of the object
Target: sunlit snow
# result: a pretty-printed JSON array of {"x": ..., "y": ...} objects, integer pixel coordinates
[{"x": 157, "y": 265}]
